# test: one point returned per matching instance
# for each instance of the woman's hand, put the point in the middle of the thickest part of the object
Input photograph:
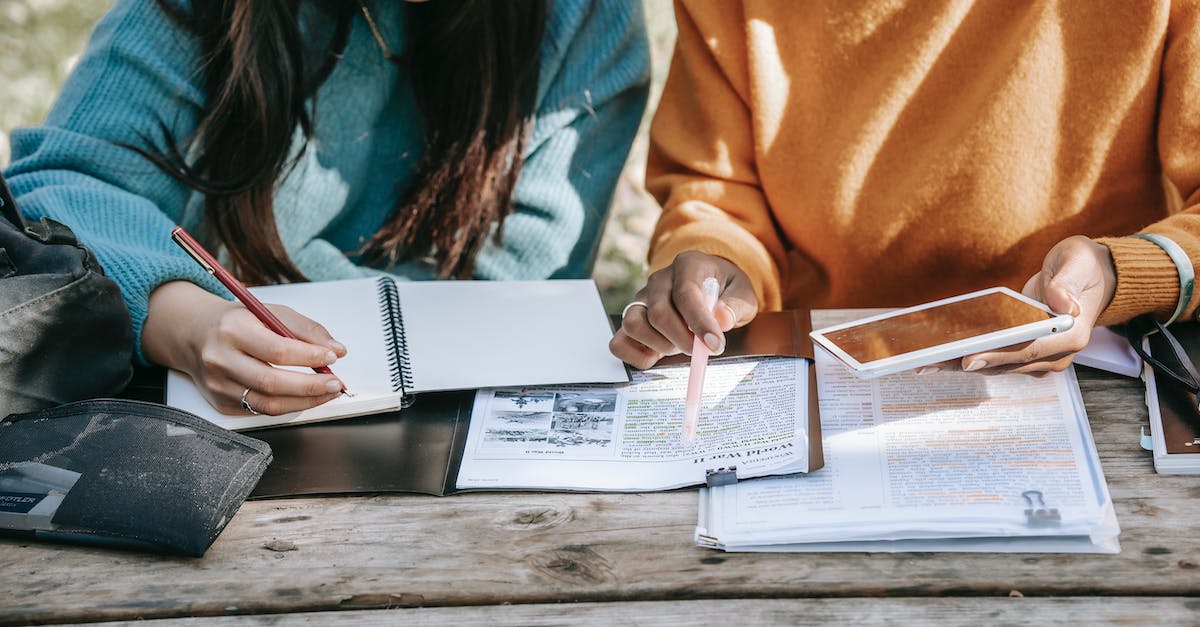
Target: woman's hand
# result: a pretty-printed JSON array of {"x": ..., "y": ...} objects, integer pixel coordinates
[
  {"x": 226, "y": 350},
  {"x": 674, "y": 310},
  {"x": 1077, "y": 278}
]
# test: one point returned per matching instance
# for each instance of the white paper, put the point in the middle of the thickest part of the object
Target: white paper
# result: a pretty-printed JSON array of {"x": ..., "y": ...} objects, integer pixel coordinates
[
  {"x": 1106, "y": 350},
  {"x": 754, "y": 416},
  {"x": 474, "y": 334},
  {"x": 913, "y": 460}
]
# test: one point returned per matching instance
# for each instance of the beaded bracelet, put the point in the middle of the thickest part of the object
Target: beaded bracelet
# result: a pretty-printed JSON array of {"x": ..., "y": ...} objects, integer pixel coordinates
[{"x": 1183, "y": 264}]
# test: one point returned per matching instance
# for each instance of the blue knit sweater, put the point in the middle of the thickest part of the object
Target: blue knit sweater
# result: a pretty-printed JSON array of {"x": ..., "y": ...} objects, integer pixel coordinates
[{"x": 141, "y": 68}]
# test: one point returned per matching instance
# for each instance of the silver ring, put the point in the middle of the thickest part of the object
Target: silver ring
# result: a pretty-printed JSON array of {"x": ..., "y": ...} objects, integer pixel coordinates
[
  {"x": 246, "y": 404},
  {"x": 636, "y": 303}
]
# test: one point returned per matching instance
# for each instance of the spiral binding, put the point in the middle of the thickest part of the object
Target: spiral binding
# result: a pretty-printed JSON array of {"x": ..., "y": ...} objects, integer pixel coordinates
[{"x": 396, "y": 341}]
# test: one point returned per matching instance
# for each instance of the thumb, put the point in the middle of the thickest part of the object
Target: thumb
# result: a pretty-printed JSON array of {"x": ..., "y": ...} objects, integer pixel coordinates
[
  {"x": 1062, "y": 300},
  {"x": 1078, "y": 278},
  {"x": 739, "y": 299},
  {"x": 735, "y": 309},
  {"x": 1063, "y": 286}
]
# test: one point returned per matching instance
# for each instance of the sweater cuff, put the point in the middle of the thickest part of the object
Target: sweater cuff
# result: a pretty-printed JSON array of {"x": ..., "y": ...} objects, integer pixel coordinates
[
  {"x": 733, "y": 244},
  {"x": 1147, "y": 280}
]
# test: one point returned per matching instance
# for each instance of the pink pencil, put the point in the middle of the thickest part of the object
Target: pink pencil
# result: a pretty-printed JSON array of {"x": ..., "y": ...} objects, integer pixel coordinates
[{"x": 700, "y": 352}]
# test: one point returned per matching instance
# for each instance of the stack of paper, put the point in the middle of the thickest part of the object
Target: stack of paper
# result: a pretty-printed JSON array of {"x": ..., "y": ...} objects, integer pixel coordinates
[{"x": 951, "y": 461}]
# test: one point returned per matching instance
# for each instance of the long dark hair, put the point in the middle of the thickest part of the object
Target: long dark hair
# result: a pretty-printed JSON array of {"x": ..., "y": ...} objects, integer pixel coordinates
[{"x": 474, "y": 71}]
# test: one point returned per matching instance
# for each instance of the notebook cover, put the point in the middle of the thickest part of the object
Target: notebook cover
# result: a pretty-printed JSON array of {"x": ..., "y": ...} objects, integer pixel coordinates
[{"x": 1176, "y": 406}]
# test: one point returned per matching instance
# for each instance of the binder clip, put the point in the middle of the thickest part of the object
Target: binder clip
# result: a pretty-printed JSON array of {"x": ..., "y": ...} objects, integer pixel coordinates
[
  {"x": 720, "y": 476},
  {"x": 1038, "y": 515}
]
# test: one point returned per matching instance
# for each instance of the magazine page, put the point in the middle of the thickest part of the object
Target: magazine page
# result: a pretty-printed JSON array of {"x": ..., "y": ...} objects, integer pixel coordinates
[
  {"x": 753, "y": 417},
  {"x": 944, "y": 455}
]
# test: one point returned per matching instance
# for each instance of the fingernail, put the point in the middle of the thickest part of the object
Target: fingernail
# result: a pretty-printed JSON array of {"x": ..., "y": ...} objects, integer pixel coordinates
[
  {"x": 729, "y": 319},
  {"x": 333, "y": 386},
  {"x": 713, "y": 342},
  {"x": 924, "y": 370},
  {"x": 975, "y": 365},
  {"x": 330, "y": 357},
  {"x": 337, "y": 346}
]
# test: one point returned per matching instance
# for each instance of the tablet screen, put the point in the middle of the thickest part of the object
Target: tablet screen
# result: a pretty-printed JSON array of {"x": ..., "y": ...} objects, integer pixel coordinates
[{"x": 916, "y": 330}]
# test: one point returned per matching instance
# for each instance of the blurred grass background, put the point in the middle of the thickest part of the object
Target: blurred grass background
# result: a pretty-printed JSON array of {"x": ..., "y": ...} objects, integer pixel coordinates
[{"x": 43, "y": 38}]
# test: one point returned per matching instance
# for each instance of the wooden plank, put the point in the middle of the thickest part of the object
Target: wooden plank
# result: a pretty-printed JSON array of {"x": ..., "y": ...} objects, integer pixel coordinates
[
  {"x": 866, "y": 612},
  {"x": 301, "y": 555}
]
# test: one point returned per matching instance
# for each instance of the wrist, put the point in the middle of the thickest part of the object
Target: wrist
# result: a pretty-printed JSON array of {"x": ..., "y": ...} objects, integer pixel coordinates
[
  {"x": 177, "y": 320},
  {"x": 1148, "y": 280},
  {"x": 1183, "y": 269}
]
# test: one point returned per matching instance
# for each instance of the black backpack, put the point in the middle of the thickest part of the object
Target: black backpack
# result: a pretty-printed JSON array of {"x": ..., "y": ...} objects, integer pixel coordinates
[{"x": 65, "y": 333}]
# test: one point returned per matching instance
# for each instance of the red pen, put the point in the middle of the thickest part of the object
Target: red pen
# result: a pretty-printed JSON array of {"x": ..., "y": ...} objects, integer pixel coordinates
[{"x": 260, "y": 311}]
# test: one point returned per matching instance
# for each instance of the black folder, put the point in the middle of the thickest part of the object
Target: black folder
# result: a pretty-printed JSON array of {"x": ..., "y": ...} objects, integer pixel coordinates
[{"x": 420, "y": 448}]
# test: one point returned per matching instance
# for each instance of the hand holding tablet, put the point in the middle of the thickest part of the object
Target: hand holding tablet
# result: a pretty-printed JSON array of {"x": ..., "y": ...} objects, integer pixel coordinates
[{"x": 940, "y": 330}]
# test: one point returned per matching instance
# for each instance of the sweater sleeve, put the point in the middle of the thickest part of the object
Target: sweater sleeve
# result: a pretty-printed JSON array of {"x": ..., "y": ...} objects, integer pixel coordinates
[
  {"x": 1146, "y": 277},
  {"x": 701, "y": 166},
  {"x": 594, "y": 81},
  {"x": 139, "y": 70}
]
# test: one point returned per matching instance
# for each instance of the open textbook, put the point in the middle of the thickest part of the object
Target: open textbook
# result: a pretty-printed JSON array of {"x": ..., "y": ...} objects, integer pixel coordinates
[{"x": 951, "y": 461}]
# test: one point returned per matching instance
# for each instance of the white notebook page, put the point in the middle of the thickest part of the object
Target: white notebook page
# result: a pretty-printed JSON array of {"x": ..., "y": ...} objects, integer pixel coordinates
[{"x": 473, "y": 334}]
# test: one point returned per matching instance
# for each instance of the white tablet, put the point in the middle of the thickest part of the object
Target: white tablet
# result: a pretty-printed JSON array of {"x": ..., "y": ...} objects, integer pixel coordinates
[{"x": 940, "y": 330}]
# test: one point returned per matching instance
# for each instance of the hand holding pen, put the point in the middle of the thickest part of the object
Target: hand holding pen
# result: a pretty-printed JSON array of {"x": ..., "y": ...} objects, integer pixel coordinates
[
  {"x": 670, "y": 314},
  {"x": 232, "y": 358}
]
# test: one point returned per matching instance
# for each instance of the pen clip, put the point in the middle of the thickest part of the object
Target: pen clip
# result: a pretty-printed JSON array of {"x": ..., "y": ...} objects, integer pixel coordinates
[{"x": 175, "y": 235}]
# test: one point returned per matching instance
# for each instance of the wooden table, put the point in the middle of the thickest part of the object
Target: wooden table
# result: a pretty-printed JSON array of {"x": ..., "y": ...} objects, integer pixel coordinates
[{"x": 529, "y": 558}]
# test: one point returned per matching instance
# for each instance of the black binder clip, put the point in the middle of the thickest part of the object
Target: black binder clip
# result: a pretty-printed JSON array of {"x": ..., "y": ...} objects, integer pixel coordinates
[
  {"x": 720, "y": 476},
  {"x": 1038, "y": 515}
]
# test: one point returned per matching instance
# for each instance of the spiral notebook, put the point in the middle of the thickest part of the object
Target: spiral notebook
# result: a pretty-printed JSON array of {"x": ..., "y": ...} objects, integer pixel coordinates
[{"x": 408, "y": 337}]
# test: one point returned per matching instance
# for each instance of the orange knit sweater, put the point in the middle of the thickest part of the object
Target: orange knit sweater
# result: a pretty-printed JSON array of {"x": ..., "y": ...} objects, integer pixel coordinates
[{"x": 853, "y": 153}]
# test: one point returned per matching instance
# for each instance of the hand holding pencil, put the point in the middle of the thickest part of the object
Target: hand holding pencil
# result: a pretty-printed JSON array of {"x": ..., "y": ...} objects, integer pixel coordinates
[
  {"x": 669, "y": 314},
  {"x": 231, "y": 353}
]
